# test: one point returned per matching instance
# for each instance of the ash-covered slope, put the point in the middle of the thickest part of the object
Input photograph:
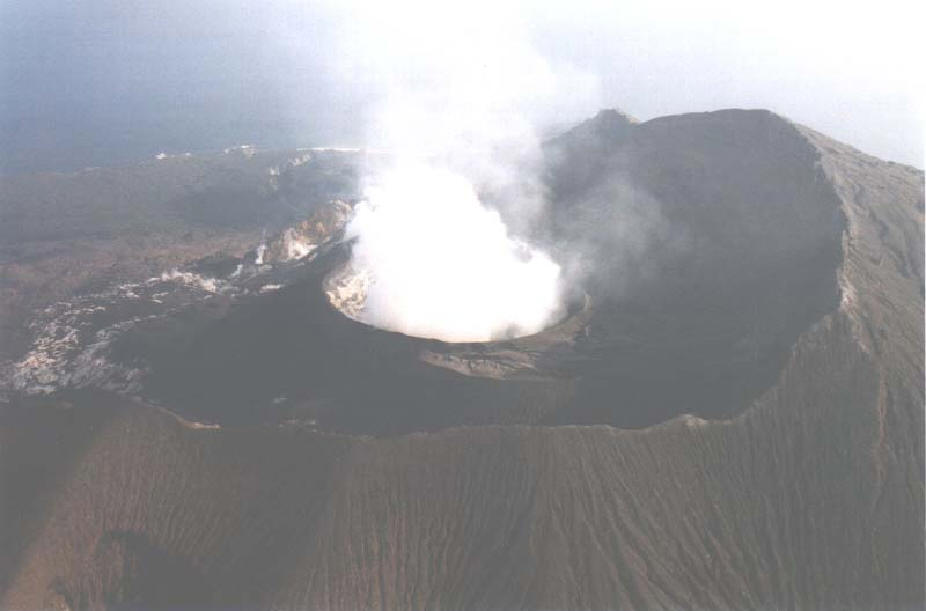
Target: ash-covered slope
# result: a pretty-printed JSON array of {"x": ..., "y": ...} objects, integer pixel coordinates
[{"x": 810, "y": 497}]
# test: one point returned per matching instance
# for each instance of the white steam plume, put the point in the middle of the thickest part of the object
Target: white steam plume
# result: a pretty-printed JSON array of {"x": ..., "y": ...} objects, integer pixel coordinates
[
  {"x": 443, "y": 265},
  {"x": 460, "y": 93}
]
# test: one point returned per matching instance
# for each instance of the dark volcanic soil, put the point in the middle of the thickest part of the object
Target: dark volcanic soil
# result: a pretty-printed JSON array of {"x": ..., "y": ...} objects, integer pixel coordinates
[{"x": 773, "y": 287}]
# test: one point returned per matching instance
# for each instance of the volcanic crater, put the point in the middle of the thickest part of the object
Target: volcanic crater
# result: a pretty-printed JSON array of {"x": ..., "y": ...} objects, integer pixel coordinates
[
  {"x": 347, "y": 289},
  {"x": 741, "y": 257}
]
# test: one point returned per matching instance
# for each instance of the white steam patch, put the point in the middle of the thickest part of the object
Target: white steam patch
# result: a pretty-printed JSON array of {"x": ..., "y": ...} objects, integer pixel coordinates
[
  {"x": 443, "y": 265},
  {"x": 458, "y": 98}
]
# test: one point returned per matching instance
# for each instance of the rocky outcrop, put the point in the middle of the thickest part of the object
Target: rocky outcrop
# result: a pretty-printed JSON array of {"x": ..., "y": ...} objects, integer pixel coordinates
[{"x": 304, "y": 238}]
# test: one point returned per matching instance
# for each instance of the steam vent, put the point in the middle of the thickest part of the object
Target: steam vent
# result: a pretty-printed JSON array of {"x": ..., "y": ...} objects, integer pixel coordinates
[
  {"x": 347, "y": 289},
  {"x": 727, "y": 413}
]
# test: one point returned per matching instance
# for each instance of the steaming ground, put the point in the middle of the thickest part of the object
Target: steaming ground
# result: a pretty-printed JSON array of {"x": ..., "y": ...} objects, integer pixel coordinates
[{"x": 433, "y": 261}]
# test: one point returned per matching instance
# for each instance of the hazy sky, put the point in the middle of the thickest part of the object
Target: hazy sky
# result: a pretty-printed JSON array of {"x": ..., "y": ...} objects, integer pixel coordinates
[{"x": 101, "y": 81}]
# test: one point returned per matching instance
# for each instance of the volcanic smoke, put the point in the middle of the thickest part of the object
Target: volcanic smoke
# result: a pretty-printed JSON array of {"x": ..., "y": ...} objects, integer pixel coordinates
[
  {"x": 440, "y": 264},
  {"x": 430, "y": 257}
]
